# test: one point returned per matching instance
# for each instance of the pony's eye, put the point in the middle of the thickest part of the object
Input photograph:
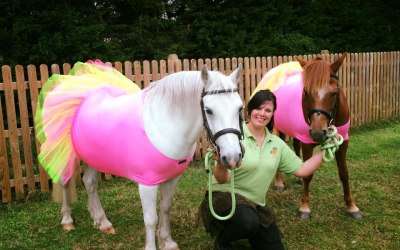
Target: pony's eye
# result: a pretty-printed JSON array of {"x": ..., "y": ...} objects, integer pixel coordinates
[
  {"x": 240, "y": 109},
  {"x": 208, "y": 111}
]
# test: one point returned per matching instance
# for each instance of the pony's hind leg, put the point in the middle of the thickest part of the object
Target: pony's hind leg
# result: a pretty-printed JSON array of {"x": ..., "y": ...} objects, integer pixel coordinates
[
  {"x": 100, "y": 221},
  {"x": 148, "y": 198},
  {"x": 167, "y": 191},
  {"x": 67, "y": 222}
]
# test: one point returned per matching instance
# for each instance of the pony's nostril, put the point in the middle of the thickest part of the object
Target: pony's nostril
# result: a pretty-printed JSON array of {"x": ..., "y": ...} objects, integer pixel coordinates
[{"x": 223, "y": 159}]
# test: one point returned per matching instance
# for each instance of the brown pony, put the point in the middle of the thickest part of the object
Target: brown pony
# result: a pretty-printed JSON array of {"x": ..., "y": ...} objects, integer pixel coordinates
[{"x": 305, "y": 109}]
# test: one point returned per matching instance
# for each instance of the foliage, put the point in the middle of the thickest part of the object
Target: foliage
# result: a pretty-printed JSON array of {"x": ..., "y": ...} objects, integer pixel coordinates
[
  {"x": 68, "y": 31},
  {"x": 374, "y": 177}
]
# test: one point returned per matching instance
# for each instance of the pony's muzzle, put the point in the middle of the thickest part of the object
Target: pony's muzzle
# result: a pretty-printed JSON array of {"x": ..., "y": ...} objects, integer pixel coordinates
[
  {"x": 231, "y": 162},
  {"x": 318, "y": 136}
]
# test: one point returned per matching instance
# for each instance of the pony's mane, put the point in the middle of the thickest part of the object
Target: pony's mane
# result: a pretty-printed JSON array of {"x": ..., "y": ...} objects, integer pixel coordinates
[
  {"x": 181, "y": 91},
  {"x": 316, "y": 75}
]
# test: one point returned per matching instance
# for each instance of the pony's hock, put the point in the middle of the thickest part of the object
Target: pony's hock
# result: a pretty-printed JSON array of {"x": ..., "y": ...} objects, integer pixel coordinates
[
  {"x": 309, "y": 100},
  {"x": 133, "y": 143}
]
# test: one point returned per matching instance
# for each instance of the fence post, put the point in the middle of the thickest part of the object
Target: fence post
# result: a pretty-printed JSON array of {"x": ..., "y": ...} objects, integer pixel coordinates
[{"x": 172, "y": 58}]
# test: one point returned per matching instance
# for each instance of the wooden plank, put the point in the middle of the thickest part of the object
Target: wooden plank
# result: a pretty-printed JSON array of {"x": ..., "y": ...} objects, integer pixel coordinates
[
  {"x": 12, "y": 128},
  {"x": 44, "y": 177},
  {"x": 128, "y": 70},
  {"x": 34, "y": 84},
  {"x": 385, "y": 85},
  {"x": 118, "y": 66},
  {"x": 247, "y": 83},
  {"x": 25, "y": 129},
  {"x": 263, "y": 66},
  {"x": 137, "y": 71},
  {"x": 375, "y": 89},
  {"x": 4, "y": 164},
  {"x": 66, "y": 68},
  {"x": 178, "y": 65},
  {"x": 154, "y": 71},
  {"x": 353, "y": 89},
  {"x": 397, "y": 81},
  {"x": 146, "y": 74},
  {"x": 163, "y": 69},
  {"x": 258, "y": 70},
  {"x": 362, "y": 104},
  {"x": 221, "y": 66},
  {"x": 368, "y": 80},
  {"x": 253, "y": 82},
  {"x": 214, "y": 64},
  {"x": 228, "y": 66},
  {"x": 193, "y": 64}
]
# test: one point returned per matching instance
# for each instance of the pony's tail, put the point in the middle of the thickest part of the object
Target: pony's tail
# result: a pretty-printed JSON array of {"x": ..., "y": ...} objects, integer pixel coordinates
[{"x": 59, "y": 100}]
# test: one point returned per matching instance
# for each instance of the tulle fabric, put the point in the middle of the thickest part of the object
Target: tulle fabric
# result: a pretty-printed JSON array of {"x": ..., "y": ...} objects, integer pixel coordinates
[
  {"x": 58, "y": 102},
  {"x": 274, "y": 80}
]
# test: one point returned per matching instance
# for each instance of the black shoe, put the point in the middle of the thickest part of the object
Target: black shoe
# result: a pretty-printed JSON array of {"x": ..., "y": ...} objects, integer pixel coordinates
[{"x": 218, "y": 245}]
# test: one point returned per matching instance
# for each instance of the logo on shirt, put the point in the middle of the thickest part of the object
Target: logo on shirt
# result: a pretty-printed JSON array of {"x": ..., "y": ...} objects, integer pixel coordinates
[{"x": 273, "y": 152}]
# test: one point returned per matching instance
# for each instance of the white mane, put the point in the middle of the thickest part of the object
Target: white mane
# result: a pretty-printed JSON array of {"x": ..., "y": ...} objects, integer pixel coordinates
[{"x": 181, "y": 92}]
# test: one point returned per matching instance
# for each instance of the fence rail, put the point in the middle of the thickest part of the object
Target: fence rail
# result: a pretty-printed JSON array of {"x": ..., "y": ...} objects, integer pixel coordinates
[{"x": 371, "y": 82}]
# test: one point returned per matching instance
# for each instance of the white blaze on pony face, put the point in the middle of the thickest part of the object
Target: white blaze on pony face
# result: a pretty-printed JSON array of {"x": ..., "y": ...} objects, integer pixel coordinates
[{"x": 223, "y": 111}]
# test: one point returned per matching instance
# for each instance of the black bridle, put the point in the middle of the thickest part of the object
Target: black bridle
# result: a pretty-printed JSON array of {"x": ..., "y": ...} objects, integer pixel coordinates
[
  {"x": 331, "y": 117},
  {"x": 213, "y": 137}
]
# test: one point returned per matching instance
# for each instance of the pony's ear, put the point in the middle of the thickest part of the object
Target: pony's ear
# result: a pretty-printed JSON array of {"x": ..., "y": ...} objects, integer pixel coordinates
[
  {"x": 301, "y": 61},
  {"x": 336, "y": 65},
  {"x": 204, "y": 73},
  {"x": 237, "y": 74}
]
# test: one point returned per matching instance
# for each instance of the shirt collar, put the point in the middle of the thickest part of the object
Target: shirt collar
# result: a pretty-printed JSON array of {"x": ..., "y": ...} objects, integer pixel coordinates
[{"x": 247, "y": 134}]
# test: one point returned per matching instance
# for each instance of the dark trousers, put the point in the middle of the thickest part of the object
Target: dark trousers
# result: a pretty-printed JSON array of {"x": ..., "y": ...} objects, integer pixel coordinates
[{"x": 245, "y": 224}]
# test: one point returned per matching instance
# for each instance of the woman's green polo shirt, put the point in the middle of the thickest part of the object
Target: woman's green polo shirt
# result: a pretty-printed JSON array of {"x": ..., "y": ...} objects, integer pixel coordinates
[{"x": 258, "y": 168}]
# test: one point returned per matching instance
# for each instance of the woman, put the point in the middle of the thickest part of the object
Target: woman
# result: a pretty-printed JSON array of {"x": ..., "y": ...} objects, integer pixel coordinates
[{"x": 265, "y": 154}]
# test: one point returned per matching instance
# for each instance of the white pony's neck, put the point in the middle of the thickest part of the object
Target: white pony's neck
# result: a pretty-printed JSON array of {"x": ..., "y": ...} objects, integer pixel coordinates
[{"x": 172, "y": 114}]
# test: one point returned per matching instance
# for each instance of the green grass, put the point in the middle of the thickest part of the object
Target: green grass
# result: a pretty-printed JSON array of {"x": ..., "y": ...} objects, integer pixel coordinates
[{"x": 374, "y": 167}]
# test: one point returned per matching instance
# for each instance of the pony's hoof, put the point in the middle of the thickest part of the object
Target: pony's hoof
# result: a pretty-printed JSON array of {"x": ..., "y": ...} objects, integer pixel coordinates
[
  {"x": 68, "y": 227},
  {"x": 304, "y": 215},
  {"x": 356, "y": 215},
  {"x": 300, "y": 181},
  {"x": 279, "y": 189},
  {"x": 110, "y": 230}
]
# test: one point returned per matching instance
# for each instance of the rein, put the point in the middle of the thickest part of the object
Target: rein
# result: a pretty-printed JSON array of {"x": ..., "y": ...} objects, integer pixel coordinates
[
  {"x": 328, "y": 148},
  {"x": 209, "y": 162}
]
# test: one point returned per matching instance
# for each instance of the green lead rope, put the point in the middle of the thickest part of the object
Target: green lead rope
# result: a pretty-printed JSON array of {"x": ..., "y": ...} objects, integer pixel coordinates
[
  {"x": 209, "y": 163},
  {"x": 328, "y": 148}
]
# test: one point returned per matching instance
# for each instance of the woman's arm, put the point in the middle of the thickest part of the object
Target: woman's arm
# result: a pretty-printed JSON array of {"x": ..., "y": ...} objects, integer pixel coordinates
[
  {"x": 221, "y": 173},
  {"x": 308, "y": 167},
  {"x": 311, "y": 164}
]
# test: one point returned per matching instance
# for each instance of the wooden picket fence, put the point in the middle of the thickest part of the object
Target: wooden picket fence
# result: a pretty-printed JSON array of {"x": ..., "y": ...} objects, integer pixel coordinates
[{"x": 371, "y": 82}]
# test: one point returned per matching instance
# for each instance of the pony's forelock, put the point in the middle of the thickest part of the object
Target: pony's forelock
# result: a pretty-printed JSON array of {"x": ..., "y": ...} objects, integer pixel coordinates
[{"x": 316, "y": 75}]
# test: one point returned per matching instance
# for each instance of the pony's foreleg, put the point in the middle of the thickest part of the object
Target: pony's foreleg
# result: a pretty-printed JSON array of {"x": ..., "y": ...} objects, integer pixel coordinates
[
  {"x": 279, "y": 186},
  {"x": 340, "y": 156},
  {"x": 67, "y": 222},
  {"x": 100, "y": 221},
  {"x": 148, "y": 197},
  {"x": 279, "y": 182},
  {"x": 304, "y": 211},
  {"x": 297, "y": 150},
  {"x": 167, "y": 190}
]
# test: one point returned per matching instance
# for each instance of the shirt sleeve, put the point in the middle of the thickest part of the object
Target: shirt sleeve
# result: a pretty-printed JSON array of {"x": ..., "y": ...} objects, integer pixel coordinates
[{"x": 289, "y": 161}]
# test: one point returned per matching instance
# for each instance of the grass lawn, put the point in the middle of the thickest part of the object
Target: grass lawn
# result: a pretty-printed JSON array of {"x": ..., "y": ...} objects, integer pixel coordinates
[{"x": 374, "y": 167}]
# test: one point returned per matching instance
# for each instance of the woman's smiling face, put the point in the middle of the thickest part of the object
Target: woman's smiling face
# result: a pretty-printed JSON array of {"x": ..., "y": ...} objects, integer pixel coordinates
[{"x": 261, "y": 116}]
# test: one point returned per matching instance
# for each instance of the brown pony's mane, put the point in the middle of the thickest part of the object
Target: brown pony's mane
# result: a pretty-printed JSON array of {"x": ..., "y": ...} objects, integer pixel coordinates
[{"x": 316, "y": 75}]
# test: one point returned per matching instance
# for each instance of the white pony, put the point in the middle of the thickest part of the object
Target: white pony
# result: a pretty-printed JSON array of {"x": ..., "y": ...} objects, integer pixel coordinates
[{"x": 149, "y": 136}]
